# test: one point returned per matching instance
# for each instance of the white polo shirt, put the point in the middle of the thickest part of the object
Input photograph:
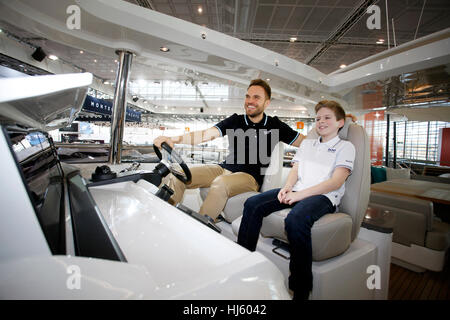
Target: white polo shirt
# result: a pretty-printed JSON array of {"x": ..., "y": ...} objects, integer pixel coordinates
[{"x": 317, "y": 161}]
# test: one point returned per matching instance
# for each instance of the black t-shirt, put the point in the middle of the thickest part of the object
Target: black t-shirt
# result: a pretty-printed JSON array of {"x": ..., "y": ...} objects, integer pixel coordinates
[{"x": 251, "y": 144}]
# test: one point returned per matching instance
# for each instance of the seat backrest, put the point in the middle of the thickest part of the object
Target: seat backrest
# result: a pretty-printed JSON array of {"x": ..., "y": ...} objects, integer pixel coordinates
[
  {"x": 357, "y": 187},
  {"x": 273, "y": 173}
]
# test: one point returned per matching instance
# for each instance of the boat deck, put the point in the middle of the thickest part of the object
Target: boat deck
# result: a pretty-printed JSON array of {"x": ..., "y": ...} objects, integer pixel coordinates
[{"x": 408, "y": 285}]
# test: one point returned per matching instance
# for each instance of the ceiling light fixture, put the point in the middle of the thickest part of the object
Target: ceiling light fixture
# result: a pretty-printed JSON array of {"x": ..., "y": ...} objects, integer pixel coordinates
[
  {"x": 292, "y": 39},
  {"x": 200, "y": 9},
  {"x": 164, "y": 49},
  {"x": 380, "y": 41},
  {"x": 53, "y": 57},
  {"x": 81, "y": 51},
  {"x": 342, "y": 66}
]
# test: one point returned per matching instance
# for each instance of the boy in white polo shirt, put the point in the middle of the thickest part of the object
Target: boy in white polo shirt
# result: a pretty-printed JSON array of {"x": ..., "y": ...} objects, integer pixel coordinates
[{"x": 314, "y": 187}]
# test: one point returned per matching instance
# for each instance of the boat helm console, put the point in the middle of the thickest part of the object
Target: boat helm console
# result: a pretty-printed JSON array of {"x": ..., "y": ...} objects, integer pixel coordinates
[{"x": 171, "y": 162}]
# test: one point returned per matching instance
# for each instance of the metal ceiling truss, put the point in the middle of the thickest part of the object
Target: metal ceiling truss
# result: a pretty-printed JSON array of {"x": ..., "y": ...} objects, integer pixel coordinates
[
  {"x": 354, "y": 17},
  {"x": 146, "y": 4}
]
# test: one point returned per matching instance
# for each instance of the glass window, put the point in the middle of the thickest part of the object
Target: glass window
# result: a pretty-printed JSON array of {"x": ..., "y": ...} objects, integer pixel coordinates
[{"x": 415, "y": 141}]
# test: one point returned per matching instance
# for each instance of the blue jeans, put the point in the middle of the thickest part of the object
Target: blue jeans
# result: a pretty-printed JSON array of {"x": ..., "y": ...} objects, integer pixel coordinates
[{"x": 298, "y": 224}]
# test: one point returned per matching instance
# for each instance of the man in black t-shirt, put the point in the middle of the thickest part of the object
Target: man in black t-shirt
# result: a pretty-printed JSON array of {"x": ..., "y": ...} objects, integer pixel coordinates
[{"x": 252, "y": 138}]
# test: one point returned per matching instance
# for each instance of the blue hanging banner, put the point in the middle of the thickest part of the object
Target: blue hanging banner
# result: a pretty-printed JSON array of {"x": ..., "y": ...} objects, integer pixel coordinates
[{"x": 104, "y": 108}]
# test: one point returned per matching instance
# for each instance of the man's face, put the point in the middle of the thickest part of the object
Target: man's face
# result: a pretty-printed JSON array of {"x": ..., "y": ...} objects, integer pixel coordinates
[{"x": 255, "y": 101}]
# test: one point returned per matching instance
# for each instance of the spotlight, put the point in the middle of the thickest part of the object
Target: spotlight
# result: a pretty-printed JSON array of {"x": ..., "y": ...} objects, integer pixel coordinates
[
  {"x": 39, "y": 54},
  {"x": 135, "y": 99}
]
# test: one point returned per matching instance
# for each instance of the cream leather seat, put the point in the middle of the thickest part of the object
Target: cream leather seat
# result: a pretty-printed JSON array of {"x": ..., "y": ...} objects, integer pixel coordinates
[
  {"x": 341, "y": 258},
  {"x": 333, "y": 233}
]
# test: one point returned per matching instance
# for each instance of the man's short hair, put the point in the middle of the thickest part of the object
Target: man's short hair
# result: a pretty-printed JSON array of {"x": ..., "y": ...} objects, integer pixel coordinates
[
  {"x": 263, "y": 84},
  {"x": 333, "y": 106}
]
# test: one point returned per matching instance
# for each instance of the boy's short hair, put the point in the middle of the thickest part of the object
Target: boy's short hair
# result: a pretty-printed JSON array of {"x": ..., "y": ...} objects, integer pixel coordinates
[
  {"x": 263, "y": 84},
  {"x": 332, "y": 105}
]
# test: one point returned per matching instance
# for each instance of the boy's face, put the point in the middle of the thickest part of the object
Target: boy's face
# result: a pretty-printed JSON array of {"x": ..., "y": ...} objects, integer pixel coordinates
[{"x": 326, "y": 123}]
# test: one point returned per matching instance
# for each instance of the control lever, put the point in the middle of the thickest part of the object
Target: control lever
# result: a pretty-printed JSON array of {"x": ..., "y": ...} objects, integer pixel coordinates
[
  {"x": 203, "y": 219},
  {"x": 164, "y": 193}
]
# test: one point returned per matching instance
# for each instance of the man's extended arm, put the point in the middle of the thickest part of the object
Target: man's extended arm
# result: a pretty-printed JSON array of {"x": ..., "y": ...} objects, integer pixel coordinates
[
  {"x": 300, "y": 137},
  {"x": 192, "y": 138},
  {"x": 299, "y": 140}
]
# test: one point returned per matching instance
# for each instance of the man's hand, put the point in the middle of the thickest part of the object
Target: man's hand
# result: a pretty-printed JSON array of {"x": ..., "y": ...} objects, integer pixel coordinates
[
  {"x": 349, "y": 115},
  {"x": 159, "y": 140}
]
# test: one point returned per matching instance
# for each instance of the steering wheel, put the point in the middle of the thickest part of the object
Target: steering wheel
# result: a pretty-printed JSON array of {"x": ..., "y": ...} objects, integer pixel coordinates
[{"x": 173, "y": 161}]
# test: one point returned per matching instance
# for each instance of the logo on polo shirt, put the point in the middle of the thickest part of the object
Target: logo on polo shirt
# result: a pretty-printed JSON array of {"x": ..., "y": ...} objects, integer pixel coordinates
[
  {"x": 332, "y": 150},
  {"x": 267, "y": 131}
]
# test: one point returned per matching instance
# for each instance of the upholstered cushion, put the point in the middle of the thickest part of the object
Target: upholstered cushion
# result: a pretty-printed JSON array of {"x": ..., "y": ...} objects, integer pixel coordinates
[
  {"x": 330, "y": 235},
  {"x": 409, "y": 227},
  {"x": 378, "y": 174},
  {"x": 389, "y": 201},
  {"x": 439, "y": 237},
  {"x": 404, "y": 173},
  {"x": 357, "y": 187},
  {"x": 235, "y": 206},
  {"x": 414, "y": 222}
]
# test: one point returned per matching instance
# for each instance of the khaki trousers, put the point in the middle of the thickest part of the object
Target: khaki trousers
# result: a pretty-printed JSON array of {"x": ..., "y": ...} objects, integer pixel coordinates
[{"x": 223, "y": 184}]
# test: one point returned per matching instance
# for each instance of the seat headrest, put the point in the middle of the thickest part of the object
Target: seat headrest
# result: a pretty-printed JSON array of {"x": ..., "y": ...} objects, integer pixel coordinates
[
  {"x": 344, "y": 130},
  {"x": 312, "y": 134}
]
